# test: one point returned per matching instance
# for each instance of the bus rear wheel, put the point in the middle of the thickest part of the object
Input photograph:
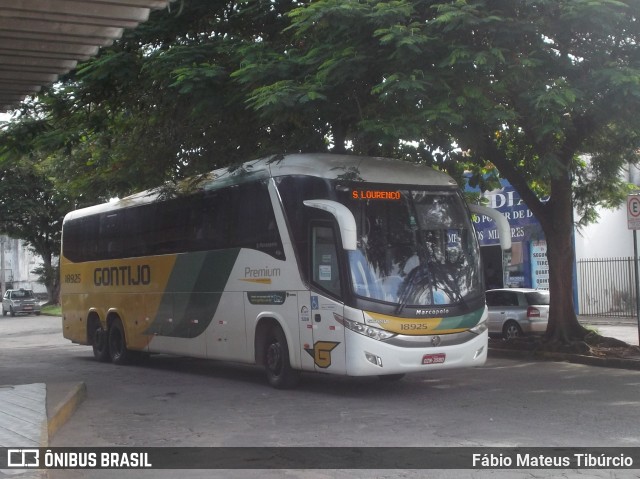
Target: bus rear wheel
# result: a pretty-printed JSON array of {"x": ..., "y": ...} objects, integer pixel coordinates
[
  {"x": 101, "y": 345},
  {"x": 276, "y": 361},
  {"x": 118, "y": 351}
]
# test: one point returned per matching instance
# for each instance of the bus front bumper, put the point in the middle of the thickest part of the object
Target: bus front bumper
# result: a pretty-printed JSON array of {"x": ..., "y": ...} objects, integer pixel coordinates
[{"x": 369, "y": 357}]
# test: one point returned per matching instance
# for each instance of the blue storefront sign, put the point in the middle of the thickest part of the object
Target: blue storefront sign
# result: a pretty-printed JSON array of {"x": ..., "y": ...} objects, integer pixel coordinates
[
  {"x": 524, "y": 226},
  {"x": 527, "y": 238}
]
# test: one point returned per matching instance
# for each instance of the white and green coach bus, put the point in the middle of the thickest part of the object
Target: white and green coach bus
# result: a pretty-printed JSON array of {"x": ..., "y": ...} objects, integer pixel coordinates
[{"x": 338, "y": 264}]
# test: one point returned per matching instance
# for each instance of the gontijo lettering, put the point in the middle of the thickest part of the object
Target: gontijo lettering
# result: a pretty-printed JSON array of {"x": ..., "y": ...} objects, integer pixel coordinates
[{"x": 122, "y": 275}]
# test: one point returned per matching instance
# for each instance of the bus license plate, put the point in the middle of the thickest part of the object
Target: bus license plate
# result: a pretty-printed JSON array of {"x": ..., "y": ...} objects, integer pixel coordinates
[{"x": 433, "y": 358}]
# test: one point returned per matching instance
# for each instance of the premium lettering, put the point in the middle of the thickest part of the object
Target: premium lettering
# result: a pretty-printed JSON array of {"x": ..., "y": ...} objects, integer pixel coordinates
[
  {"x": 122, "y": 275},
  {"x": 261, "y": 272}
]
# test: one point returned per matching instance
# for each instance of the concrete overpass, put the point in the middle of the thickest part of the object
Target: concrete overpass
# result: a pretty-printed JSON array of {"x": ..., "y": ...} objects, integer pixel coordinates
[{"x": 43, "y": 39}]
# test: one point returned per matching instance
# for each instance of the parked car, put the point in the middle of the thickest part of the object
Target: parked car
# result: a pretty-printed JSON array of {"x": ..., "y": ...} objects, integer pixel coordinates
[
  {"x": 515, "y": 312},
  {"x": 19, "y": 301}
]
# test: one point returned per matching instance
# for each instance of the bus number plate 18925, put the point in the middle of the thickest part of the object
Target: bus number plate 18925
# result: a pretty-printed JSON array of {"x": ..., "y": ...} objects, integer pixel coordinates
[{"x": 433, "y": 358}]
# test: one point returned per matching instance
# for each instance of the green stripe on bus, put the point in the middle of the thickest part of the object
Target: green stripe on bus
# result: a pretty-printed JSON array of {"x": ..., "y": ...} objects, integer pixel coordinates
[
  {"x": 466, "y": 321},
  {"x": 193, "y": 293}
]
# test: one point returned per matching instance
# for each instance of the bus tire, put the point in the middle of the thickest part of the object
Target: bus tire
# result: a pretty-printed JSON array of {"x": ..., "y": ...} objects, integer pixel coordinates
[
  {"x": 277, "y": 366},
  {"x": 118, "y": 351},
  {"x": 100, "y": 345},
  {"x": 391, "y": 377}
]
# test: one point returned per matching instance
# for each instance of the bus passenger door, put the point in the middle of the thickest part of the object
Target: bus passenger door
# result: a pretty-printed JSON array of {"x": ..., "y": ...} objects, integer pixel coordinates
[{"x": 328, "y": 347}]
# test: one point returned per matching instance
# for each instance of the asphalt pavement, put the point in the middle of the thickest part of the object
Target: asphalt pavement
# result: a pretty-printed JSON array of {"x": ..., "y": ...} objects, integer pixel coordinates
[{"x": 30, "y": 414}]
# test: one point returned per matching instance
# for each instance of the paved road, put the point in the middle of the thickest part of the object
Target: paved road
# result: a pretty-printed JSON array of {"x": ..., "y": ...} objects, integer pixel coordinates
[{"x": 171, "y": 401}]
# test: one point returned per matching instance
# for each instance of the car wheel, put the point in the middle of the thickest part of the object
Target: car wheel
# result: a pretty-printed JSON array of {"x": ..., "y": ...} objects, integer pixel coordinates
[
  {"x": 13, "y": 313},
  {"x": 511, "y": 330},
  {"x": 276, "y": 361},
  {"x": 4, "y": 313},
  {"x": 118, "y": 351}
]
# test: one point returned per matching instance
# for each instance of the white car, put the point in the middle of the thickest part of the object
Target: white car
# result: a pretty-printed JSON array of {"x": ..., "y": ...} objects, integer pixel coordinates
[
  {"x": 515, "y": 312},
  {"x": 19, "y": 301}
]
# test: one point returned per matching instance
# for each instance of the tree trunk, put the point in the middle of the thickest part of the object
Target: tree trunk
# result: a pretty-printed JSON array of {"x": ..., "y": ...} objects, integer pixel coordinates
[
  {"x": 50, "y": 274},
  {"x": 556, "y": 218}
]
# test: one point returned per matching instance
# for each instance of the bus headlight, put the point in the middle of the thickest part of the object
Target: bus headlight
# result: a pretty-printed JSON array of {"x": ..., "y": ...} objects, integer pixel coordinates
[
  {"x": 365, "y": 330},
  {"x": 480, "y": 328}
]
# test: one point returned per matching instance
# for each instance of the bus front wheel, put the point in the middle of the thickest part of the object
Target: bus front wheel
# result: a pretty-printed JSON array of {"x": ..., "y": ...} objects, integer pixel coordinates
[
  {"x": 117, "y": 344},
  {"x": 276, "y": 361}
]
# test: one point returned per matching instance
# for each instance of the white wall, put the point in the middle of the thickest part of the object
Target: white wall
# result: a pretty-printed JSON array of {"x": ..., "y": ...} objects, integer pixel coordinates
[
  {"x": 608, "y": 238},
  {"x": 19, "y": 262}
]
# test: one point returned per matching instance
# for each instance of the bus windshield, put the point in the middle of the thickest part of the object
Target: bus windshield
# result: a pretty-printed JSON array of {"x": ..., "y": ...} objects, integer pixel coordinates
[{"x": 415, "y": 247}]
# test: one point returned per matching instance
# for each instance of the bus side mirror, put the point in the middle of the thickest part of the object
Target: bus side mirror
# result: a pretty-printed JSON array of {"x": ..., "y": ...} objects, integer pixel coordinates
[
  {"x": 504, "y": 229},
  {"x": 344, "y": 217}
]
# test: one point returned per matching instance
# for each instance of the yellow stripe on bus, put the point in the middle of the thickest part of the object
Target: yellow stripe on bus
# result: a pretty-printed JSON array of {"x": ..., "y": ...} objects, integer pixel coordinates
[
  {"x": 409, "y": 326},
  {"x": 257, "y": 280}
]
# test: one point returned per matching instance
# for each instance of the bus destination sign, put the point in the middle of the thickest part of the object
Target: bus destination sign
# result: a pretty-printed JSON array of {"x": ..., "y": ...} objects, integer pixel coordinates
[{"x": 375, "y": 195}]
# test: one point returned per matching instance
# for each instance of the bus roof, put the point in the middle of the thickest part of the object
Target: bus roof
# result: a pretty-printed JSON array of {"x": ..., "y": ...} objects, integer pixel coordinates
[
  {"x": 323, "y": 165},
  {"x": 356, "y": 168}
]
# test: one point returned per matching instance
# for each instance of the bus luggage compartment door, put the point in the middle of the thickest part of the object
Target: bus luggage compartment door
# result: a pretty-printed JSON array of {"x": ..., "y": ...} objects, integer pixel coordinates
[{"x": 328, "y": 347}]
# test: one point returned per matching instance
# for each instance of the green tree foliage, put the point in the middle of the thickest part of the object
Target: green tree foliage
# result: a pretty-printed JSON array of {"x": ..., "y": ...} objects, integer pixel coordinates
[
  {"x": 163, "y": 100},
  {"x": 544, "y": 90},
  {"x": 533, "y": 87},
  {"x": 31, "y": 207},
  {"x": 549, "y": 82}
]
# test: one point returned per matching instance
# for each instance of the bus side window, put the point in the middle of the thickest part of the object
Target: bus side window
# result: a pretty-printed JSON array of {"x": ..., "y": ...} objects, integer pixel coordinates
[
  {"x": 255, "y": 221},
  {"x": 110, "y": 239},
  {"x": 324, "y": 259}
]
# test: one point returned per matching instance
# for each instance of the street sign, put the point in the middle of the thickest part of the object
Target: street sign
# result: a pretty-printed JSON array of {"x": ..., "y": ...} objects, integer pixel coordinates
[{"x": 633, "y": 212}]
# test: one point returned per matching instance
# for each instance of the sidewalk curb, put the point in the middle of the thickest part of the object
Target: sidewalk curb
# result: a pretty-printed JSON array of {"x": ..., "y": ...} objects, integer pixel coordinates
[
  {"x": 64, "y": 409},
  {"x": 618, "y": 363}
]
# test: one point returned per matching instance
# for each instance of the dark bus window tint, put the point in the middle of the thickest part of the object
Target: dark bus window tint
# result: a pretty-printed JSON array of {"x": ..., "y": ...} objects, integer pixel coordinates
[
  {"x": 218, "y": 219},
  {"x": 239, "y": 216},
  {"x": 110, "y": 236},
  {"x": 256, "y": 225},
  {"x": 293, "y": 191},
  {"x": 170, "y": 228},
  {"x": 140, "y": 230},
  {"x": 80, "y": 238}
]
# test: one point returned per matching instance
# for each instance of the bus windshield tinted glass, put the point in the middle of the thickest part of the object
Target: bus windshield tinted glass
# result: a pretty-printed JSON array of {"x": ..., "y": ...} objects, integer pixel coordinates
[{"x": 415, "y": 248}]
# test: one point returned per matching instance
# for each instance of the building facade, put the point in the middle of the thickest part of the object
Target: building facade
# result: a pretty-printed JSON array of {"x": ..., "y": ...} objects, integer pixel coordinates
[
  {"x": 604, "y": 268},
  {"x": 17, "y": 263},
  {"x": 526, "y": 266}
]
